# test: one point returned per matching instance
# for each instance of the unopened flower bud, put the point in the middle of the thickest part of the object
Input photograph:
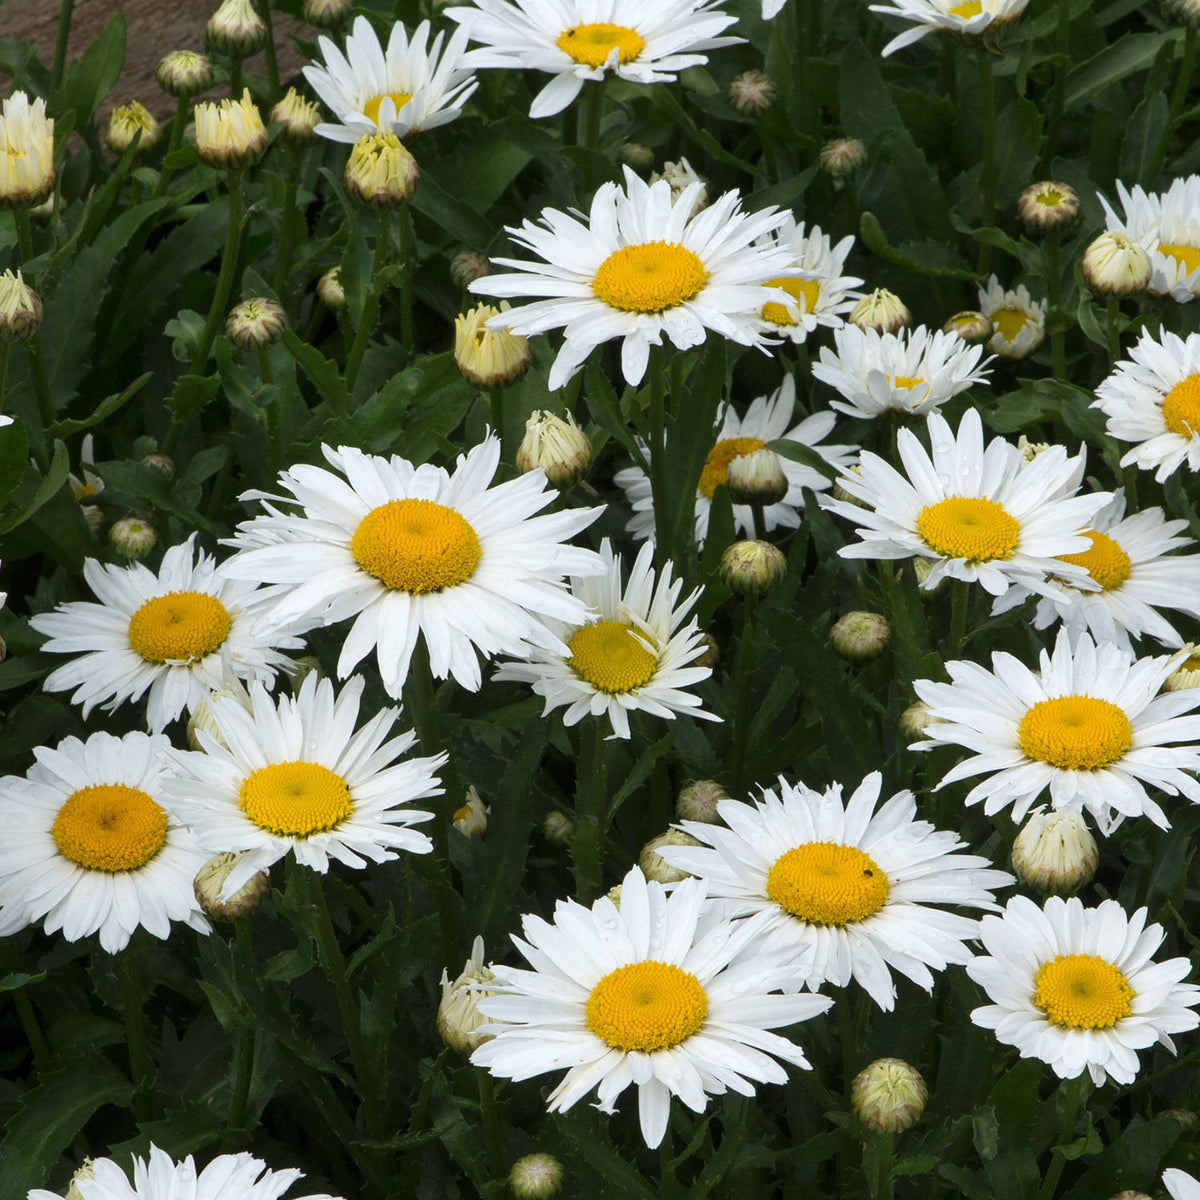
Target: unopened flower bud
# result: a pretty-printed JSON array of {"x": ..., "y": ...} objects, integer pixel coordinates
[
  {"x": 471, "y": 819},
  {"x": 889, "y": 1095},
  {"x": 1115, "y": 265},
  {"x": 236, "y": 29},
  {"x": 230, "y": 134},
  {"x": 698, "y": 801},
  {"x": 184, "y": 74},
  {"x": 302, "y": 667},
  {"x": 558, "y": 446},
  {"x": 126, "y": 122},
  {"x": 1184, "y": 1116},
  {"x": 299, "y": 117},
  {"x": 842, "y": 157},
  {"x": 85, "y": 1173},
  {"x": 489, "y": 358},
  {"x": 756, "y": 478},
  {"x": 973, "y": 327},
  {"x": 467, "y": 266},
  {"x": 329, "y": 289},
  {"x": 882, "y": 311},
  {"x": 20, "y": 308},
  {"x": 160, "y": 462},
  {"x": 256, "y": 324},
  {"x": 751, "y": 93},
  {"x": 750, "y": 568},
  {"x": 711, "y": 654},
  {"x": 859, "y": 637},
  {"x": 840, "y": 493},
  {"x": 1030, "y": 450},
  {"x": 210, "y": 881},
  {"x": 536, "y": 1177},
  {"x": 1131, "y": 1194},
  {"x": 458, "y": 1016},
  {"x": 327, "y": 14},
  {"x": 132, "y": 537},
  {"x": 1048, "y": 205},
  {"x": 614, "y": 894},
  {"x": 681, "y": 175},
  {"x": 380, "y": 171},
  {"x": 558, "y": 828},
  {"x": 915, "y": 720},
  {"x": 637, "y": 156},
  {"x": 922, "y": 569},
  {"x": 654, "y": 866},
  {"x": 26, "y": 152},
  {"x": 1055, "y": 852}
]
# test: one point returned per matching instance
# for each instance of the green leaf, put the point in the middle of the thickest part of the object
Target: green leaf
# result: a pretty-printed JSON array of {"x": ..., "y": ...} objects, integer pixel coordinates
[
  {"x": 191, "y": 394},
  {"x": 323, "y": 372},
  {"x": 43, "y": 487},
  {"x": 91, "y": 76},
  {"x": 14, "y": 458},
  {"x": 105, "y": 408},
  {"x": 18, "y": 980},
  {"x": 1121, "y": 58},
  {"x": 876, "y": 241},
  {"x": 806, "y": 455},
  {"x": 1141, "y": 138}
]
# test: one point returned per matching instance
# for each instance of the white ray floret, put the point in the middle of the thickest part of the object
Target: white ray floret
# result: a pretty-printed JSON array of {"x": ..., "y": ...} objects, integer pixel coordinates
[
  {"x": 1078, "y": 987},
  {"x": 1180, "y": 1185},
  {"x": 1167, "y": 225},
  {"x": 658, "y": 993},
  {"x": 969, "y": 19},
  {"x": 1091, "y": 725}
]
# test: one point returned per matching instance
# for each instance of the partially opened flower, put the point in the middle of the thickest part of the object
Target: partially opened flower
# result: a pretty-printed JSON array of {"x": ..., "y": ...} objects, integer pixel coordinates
[
  {"x": 26, "y": 152},
  {"x": 1077, "y": 987},
  {"x": 654, "y": 993},
  {"x": 1018, "y": 321},
  {"x": 1167, "y": 225},
  {"x": 970, "y": 18}
]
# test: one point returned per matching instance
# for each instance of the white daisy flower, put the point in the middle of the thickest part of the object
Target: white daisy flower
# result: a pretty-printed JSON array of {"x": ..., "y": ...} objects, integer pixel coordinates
[
  {"x": 293, "y": 774},
  {"x": 1167, "y": 226},
  {"x": 913, "y": 372},
  {"x": 159, "y": 1177},
  {"x": 1128, "y": 562},
  {"x": 578, "y": 40},
  {"x": 849, "y": 887},
  {"x": 639, "y": 267},
  {"x": 985, "y": 515},
  {"x": 632, "y": 653},
  {"x": 1090, "y": 725},
  {"x": 403, "y": 90},
  {"x": 970, "y": 18},
  {"x": 1018, "y": 321},
  {"x": 1153, "y": 399},
  {"x": 1180, "y": 1185},
  {"x": 414, "y": 550},
  {"x": 1077, "y": 987},
  {"x": 822, "y": 293},
  {"x": 164, "y": 634},
  {"x": 91, "y": 845},
  {"x": 655, "y": 993},
  {"x": 766, "y": 420}
]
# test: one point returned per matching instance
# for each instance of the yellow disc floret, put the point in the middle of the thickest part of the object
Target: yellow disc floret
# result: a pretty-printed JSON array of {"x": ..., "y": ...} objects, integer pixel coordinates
[
  {"x": 1008, "y": 322},
  {"x": 1075, "y": 733},
  {"x": 1082, "y": 991},
  {"x": 592, "y": 43},
  {"x": 110, "y": 827},
  {"x": 826, "y": 883},
  {"x": 649, "y": 277},
  {"x": 611, "y": 658},
  {"x": 908, "y": 382},
  {"x": 1188, "y": 255},
  {"x": 646, "y": 1006},
  {"x": 972, "y": 8},
  {"x": 372, "y": 106},
  {"x": 970, "y": 527},
  {"x": 416, "y": 546},
  {"x": 295, "y": 799},
  {"x": 179, "y": 627},
  {"x": 808, "y": 290},
  {"x": 1181, "y": 407},
  {"x": 1104, "y": 560},
  {"x": 716, "y": 465}
]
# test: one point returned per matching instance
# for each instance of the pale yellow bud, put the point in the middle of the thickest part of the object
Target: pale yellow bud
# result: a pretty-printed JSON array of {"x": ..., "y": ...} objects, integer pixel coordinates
[
  {"x": 711, "y": 654},
  {"x": 210, "y": 880},
  {"x": 1030, "y": 450},
  {"x": 915, "y": 720},
  {"x": 126, "y": 122},
  {"x": 132, "y": 537},
  {"x": 467, "y": 266},
  {"x": 750, "y": 567},
  {"x": 558, "y": 446},
  {"x": 256, "y": 324},
  {"x": 536, "y": 1177},
  {"x": 458, "y": 1016},
  {"x": 1115, "y": 265},
  {"x": 654, "y": 866},
  {"x": 637, "y": 156},
  {"x": 329, "y": 289},
  {"x": 327, "y": 14},
  {"x": 380, "y": 171},
  {"x": 489, "y": 357},
  {"x": 86, "y": 1172},
  {"x": 843, "y": 157},
  {"x": 1048, "y": 205},
  {"x": 756, "y": 478},
  {"x": 471, "y": 819},
  {"x": 751, "y": 93},
  {"x": 26, "y": 152},
  {"x": 160, "y": 462},
  {"x": 882, "y": 310},
  {"x": 1055, "y": 852},
  {"x": 681, "y": 175},
  {"x": 698, "y": 801},
  {"x": 20, "y": 308},
  {"x": 860, "y": 636},
  {"x": 1187, "y": 673},
  {"x": 299, "y": 117},
  {"x": 201, "y": 718},
  {"x": 230, "y": 133},
  {"x": 184, "y": 74},
  {"x": 889, "y": 1095},
  {"x": 973, "y": 327},
  {"x": 558, "y": 828},
  {"x": 236, "y": 29}
]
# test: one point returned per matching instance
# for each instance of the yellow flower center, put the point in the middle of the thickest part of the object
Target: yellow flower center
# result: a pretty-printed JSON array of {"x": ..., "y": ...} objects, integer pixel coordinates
[
  {"x": 611, "y": 658},
  {"x": 1082, "y": 991},
  {"x": 969, "y": 527},
  {"x": 294, "y": 799},
  {"x": 179, "y": 627},
  {"x": 1188, "y": 255},
  {"x": 1104, "y": 561},
  {"x": 807, "y": 289},
  {"x": 646, "y": 1006},
  {"x": 1181, "y": 407},
  {"x": 716, "y": 465},
  {"x": 1075, "y": 733},
  {"x": 1009, "y": 322},
  {"x": 416, "y": 546},
  {"x": 1049, "y": 197},
  {"x": 908, "y": 382},
  {"x": 592, "y": 43},
  {"x": 372, "y": 106},
  {"x": 649, "y": 277},
  {"x": 825, "y": 883},
  {"x": 972, "y": 8},
  {"x": 110, "y": 827}
]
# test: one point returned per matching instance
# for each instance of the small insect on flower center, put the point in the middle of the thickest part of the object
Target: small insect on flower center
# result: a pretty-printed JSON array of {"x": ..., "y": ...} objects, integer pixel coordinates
[
  {"x": 1075, "y": 733},
  {"x": 1104, "y": 560},
  {"x": 972, "y": 8},
  {"x": 416, "y": 546},
  {"x": 611, "y": 658},
  {"x": 592, "y": 43},
  {"x": 825, "y": 883},
  {"x": 110, "y": 827},
  {"x": 1181, "y": 407},
  {"x": 372, "y": 106},
  {"x": 970, "y": 527},
  {"x": 1008, "y": 322},
  {"x": 1188, "y": 255},
  {"x": 1082, "y": 991},
  {"x": 646, "y": 1006},
  {"x": 716, "y": 465},
  {"x": 808, "y": 290},
  {"x": 649, "y": 277},
  {"x": 295, "y": 799},
  {"x": 179, "y": 627}
]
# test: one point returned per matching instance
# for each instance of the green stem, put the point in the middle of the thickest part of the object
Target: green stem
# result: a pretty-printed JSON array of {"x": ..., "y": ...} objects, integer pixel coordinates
[
  {"x": 132, "y": 1009},
  {"x": 1179, "y": 93},
  {"x": 1113, "y": 309},
  {"x": 883, "y": 1175},
  {"x": 987, "y": 107},
  {"x": 244, "y": 1069},
  {"x": 847, "y": 1037},
  {"x": 591, "y": 794},
  {"x": 41, "y": 385},
  {"x": 746, "y": 661},
  {"x": 178, "y": 125},
  {"x": 491, "y": 1127},
  {"x": 371, "y": 308},
  {"x": 592, "y": 104},
  {"x": 408, "y": 254},
  {"x": 659, "y": 484},
  {"x": 5, "y": 348},
  {"x": 1062, "y": 53},
  {"x": 668, "y": 1183},
  {"x": 32, "y": 1027},
  {"x": 420, "y": 700},
  {"x": 65, "y": 10},
  {"x": 960, "y": 599},
  {"x": 1058, "y": 347},
  {"x": 236, "y": 84},
  {"x": 496, "y": 403},
  {"x": 220, "y": 300},
  {"x": 264, "y": 368},
  {"x": 24, "y": 237},
  {"x": 288, "y": 223},
  {"x": 264, "y": 11},
  {"x": 1073, "y": 1092}
]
